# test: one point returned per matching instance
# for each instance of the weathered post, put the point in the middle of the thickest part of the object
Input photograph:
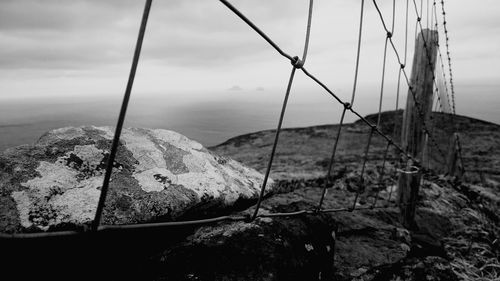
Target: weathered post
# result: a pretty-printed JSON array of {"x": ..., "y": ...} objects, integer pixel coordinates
[
  {"x": 417, "y": 112},
  {"x": 451, "y": 161}
]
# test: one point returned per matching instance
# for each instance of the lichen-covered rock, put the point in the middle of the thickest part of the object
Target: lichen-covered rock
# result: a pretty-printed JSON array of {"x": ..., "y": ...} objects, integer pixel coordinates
[{"x": 158, "y": 175}]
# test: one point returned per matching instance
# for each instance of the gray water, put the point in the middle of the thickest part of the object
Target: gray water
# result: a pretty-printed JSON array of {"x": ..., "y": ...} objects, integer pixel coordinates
[{"x": 211, "y": 122}]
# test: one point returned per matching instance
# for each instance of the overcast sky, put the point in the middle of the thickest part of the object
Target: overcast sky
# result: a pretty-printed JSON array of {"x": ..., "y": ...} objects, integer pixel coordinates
[{"x": 198, "y": 49}]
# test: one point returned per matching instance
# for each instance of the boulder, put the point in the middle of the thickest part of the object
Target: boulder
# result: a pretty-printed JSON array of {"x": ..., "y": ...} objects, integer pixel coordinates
[
  {"x": 158, "y": 175},
  {"x": 277, "y": 248}
]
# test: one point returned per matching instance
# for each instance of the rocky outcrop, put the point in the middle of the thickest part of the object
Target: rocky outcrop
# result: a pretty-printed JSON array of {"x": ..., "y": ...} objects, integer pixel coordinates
[
  {"x": 159, "y": 175},
  {"x": 328, "y": 246}
]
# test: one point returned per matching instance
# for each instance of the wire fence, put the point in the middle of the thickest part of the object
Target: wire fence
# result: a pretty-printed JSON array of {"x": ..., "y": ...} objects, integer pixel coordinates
[{"x": 297, "y": 66}]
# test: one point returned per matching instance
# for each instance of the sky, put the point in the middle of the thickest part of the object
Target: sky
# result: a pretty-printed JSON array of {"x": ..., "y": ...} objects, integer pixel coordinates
[{"x": 198, "y": 50}]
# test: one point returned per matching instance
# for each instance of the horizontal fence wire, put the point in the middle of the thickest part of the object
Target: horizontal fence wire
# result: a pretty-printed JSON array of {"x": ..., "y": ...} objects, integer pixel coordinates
[
  {"x": 159, "y": 225},
  {"x": 297, "y": 64}
]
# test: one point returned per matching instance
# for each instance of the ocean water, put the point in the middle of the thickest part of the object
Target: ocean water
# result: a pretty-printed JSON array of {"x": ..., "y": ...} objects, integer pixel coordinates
[{"x": 211, "y": 122}]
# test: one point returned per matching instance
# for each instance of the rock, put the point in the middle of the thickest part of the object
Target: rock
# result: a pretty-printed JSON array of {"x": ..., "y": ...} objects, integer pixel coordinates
[
  {"x": 364, "y": 241},
  {"x": 159, "y": 175},
  {"x": 325, "y": 246},
  {"x": 279, "y": 248}
]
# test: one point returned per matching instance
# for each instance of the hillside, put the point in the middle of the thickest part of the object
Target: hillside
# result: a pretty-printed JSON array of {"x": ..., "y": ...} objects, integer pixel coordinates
[
  {"x": 305, "y": 152},
  {"x": 458, "y": 222}
]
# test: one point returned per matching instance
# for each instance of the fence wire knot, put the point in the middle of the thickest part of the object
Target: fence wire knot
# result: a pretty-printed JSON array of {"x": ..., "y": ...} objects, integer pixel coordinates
[
  {"x": 297, "y": 63},
  {"x": 347, "y": 106},
  {"x": 389, "y": 35}
]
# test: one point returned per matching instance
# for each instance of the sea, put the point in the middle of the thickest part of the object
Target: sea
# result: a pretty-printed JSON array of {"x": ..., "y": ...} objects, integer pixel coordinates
[{"x": 210, "y": 122}]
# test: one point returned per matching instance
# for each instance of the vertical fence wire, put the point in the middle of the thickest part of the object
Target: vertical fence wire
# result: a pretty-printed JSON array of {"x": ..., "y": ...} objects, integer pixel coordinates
[
  {"x": 275, "y": 143},
  {"x": 121, "y": 117},
  {"x": 360, "y": 33},
  {"x": 332, "y": 159},
  {"x": 297, "y": 63},
  {"x": 380, "y": 182},
  {"x": 361, "y": 183}
]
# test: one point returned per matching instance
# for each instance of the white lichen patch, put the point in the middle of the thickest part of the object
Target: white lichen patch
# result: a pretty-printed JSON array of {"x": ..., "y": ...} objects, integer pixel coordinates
[
  {"x": 207, "y": 177},
  {"x": 59, "y": 194},
  {"x": 144, "y": 150},
  {"x": 219, "y": 180},
  {"x": 88, "y": 154},
  {"x": 155, "y": 179},
  {"x": 67, "y": 133},
  {"x": 23, "y": 206},
  {"x": 52, "y": 176},
  {"x": 193, "y": 163},
  {"x": 78, "y": 205},
  {"x": 152, "y": 167}
]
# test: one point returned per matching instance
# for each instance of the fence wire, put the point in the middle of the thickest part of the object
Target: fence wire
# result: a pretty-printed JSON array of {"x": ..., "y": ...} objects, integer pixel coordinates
[
  {"x": 447, "y": 43},
  {"x": 297, "y": 64}
]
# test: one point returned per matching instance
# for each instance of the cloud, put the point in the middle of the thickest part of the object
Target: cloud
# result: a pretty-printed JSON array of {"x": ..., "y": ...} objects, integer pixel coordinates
[
  {"x": 88, "y": 34},
  {"x": 259, "y": 89},
  {"x": 203, "y": 41},
  {"x": 235, "y": 88}
]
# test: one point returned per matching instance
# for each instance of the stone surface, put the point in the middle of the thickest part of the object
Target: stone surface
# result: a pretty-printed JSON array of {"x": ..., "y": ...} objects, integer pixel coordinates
[
  {"x": 279, "y": 248},
  {"x": 158, "y": 175}
]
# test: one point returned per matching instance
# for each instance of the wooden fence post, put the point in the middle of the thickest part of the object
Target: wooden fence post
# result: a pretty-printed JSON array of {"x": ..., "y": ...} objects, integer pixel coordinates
[
  {"x": 452, "y": 159},
  {"x": 412, "y": 133}
]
